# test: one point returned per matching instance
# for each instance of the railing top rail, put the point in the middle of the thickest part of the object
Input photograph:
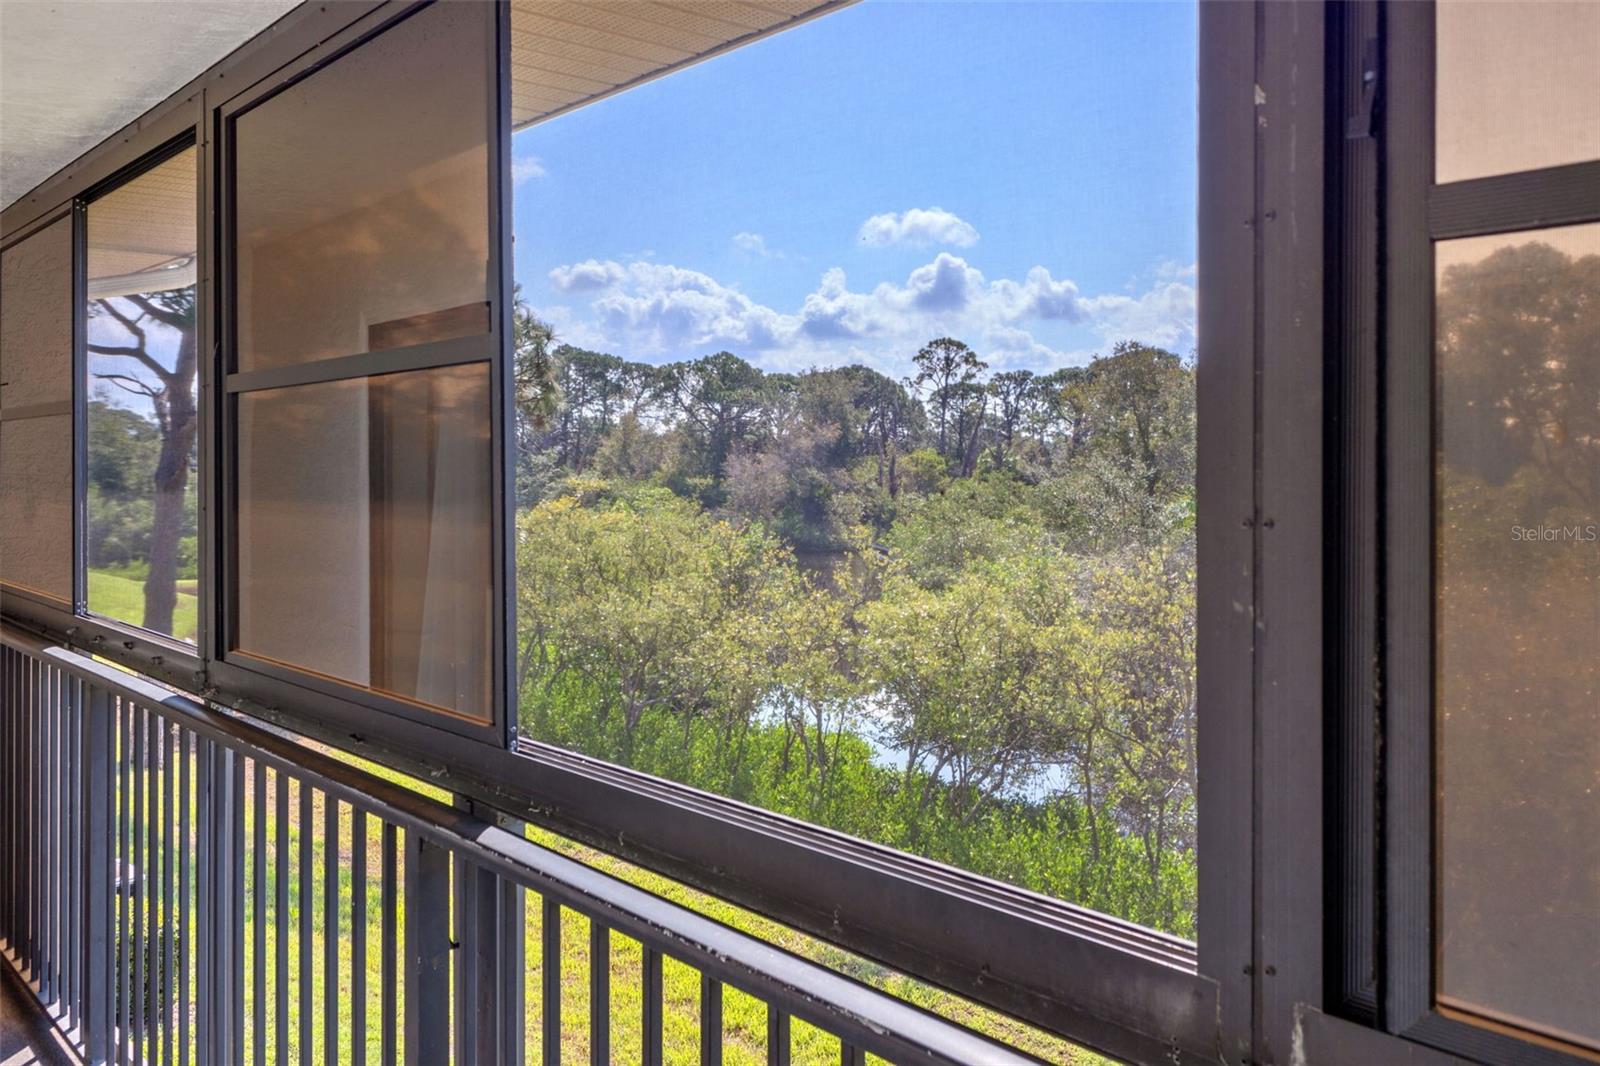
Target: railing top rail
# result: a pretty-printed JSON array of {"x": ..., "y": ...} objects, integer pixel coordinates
[{"x": 864, "y": 1016}]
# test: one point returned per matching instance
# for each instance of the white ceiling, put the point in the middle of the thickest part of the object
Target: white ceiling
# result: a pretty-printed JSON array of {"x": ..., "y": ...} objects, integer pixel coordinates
[{"x": 72, "y": 72}]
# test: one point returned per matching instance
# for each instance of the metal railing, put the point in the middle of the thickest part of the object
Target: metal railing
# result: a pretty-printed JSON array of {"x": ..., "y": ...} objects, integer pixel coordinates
[{"x": 181, "y": 886}]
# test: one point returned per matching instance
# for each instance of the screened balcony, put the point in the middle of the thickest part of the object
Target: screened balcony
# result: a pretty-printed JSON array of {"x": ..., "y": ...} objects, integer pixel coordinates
[{"x": 622, "y": 531}]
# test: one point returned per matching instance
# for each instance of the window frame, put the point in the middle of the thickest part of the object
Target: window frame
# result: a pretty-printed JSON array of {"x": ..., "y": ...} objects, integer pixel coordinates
[
  {"x": 37, "y": 599},
  {"x": 1092, "y": 978},
  {"x": 1422, "y": 212},
  {"x": 80, "y": 394},
  {"x": 490, "y": 348}
]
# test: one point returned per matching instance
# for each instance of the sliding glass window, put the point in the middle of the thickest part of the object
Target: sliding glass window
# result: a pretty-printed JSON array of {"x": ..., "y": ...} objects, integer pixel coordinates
[
  {"x": 361, "y": 355},
  {"x": 36, "y": 414},
  {"x": 141, "y": 413}
]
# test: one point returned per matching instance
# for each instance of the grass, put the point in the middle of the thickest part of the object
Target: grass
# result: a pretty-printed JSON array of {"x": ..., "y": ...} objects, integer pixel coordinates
[
  {"x": 744, "y": 1018},
  {"x": 116, "y": 596}
]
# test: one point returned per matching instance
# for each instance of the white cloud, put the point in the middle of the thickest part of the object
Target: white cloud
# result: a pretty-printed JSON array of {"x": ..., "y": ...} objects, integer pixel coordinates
[
  {"x": 647, "y": 309},
  {"x": 755, "y": 244},
  {"x": 526, "y": 168},
  {"x": 920, "y": 227},
  {"x": 1165, "y": 315},
  {"x": 587, "y": 276}
]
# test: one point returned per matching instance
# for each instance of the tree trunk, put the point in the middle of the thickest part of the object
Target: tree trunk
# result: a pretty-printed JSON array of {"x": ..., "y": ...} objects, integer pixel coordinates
[{"x": 171, "y": 482}]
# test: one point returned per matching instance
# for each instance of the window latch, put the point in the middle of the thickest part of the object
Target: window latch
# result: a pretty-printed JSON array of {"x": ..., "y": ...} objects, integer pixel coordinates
[{"x": 1359, "y": 127}]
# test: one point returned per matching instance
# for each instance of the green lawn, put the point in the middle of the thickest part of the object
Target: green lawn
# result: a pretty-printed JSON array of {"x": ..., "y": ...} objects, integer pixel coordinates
[
  {"x": 744, "y": 1018},
  {"x": 122, "y": 598}
]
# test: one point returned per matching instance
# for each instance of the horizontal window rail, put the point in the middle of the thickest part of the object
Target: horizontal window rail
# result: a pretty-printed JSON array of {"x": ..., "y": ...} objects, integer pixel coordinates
[{"x": 180, "y": 886}]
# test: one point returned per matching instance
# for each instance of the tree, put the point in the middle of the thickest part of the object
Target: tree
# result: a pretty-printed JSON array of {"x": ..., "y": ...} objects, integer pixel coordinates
[
  {"x": 946, "y": 363},
  {"x": 538, "y": 394},
  {"x": 1014, "y": 393},
  {"x": 720, "y": 399},
  {"x": 170, "y": 393}
]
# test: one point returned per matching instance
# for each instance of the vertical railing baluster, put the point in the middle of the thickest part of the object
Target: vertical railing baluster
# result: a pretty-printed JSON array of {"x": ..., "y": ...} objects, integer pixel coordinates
[
  {"x": 303, "y": 1028},
  {"x": 464, "y": 885},
  {"x": 330, "y": 927},
  {"x": 78, "y": 851},
  {"x": 427, "y": 951},
  {"x": 98, "y": 791},
  {"x": 49, "y": 723},
  {"x": 358, "y": 937},
  {"x": 122, "y": 878},
  {"x": 186, "y": 748},
  {"x": 258, "y": 912},
  {"x": 650, "y": 1007},
  {"x": 511, "y": 941},
  {"x": 155, "y": 860},
  {"x": 777, "y": 1036},
  {"x": 36, "y": 889},
  {"x": 170, "y": 846},
  {"x": 550, "y": 979},
  {"x": 235, "y": 911},
  {"x": 205, "y": 903},
  {"x": 138, "y": 891},
  {"x": 280, "y": 919},
  {"x": 850, "y": 1055},
  {"x": 8, "y": 824},
  {"x": 389, "y": 1001},
  {"x": 599, "y": 993},
  {"x": 710, "y": 1021}
]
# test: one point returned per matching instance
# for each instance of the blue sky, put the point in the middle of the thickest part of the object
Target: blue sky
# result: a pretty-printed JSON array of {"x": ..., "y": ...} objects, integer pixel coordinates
[{"x": 1019, "y": 175}]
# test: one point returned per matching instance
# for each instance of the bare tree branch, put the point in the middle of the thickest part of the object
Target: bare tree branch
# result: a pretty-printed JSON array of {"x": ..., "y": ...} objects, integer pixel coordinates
[
  {"x": 131, "y": 384},
  {"x": 175, "y": 319},
  {"x": 139, "y": 352}
]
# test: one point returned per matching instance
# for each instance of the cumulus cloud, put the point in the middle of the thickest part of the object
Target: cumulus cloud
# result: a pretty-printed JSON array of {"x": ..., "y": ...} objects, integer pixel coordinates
[
  {"x": 669, "y": 308},
  {"x": 1165, "y": 315},
  {"x": 755, "y": 244},
  {"x": 655, "y": 309},
  {"x": 587, "y": 276},
  {"x": 919, "y": 227},
  {"x": 526, "y": 168}
]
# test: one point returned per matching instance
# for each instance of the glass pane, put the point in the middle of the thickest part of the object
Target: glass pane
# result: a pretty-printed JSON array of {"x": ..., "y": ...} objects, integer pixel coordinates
[
  {"x": 143, "y": 420},
  {"x": 36, "y": 502},
  {"x": 362, "y": 197},
  {"x": 35, "y": 405},
  {"x": 36, "y": 319},
  {"x": 1518, "y": 86},
  {"x": 1518, "y": 628},
  {"x": 856, "y": 461},
  {"x": 364, "y": 533}
]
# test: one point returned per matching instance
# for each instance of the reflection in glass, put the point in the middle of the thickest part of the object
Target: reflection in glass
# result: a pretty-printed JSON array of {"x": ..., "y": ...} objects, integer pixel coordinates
[
  {"x": 1518, "y": 629},
  {"x": 362, "y": 197},
  {"x": 363, "y": 532},
  {"x": 142, "y": 415},
  {"x": 1518, "y": 86},
  {"x": 36, "y": 454}
]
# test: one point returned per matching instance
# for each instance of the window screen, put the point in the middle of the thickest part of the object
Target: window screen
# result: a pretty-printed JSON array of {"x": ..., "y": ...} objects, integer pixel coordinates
[
  {"x": 1518, "y": 86},
  {"x": 36, "y": 412},
  {"x": 1518, "y": 628},
  {"x": 362, "y": 197},
  {"x": 363, "y": 536}
]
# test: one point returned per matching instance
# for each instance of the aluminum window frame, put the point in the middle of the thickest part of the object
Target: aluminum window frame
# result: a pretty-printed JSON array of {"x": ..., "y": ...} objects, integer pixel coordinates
[
  {"x": 36, "y": 599},
  {"x": 491, "y": 348},
  {"x": 1092, "y": 978},
  {"x": 1421, "y": 212},
  {"x": 104, "y": 624}
]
